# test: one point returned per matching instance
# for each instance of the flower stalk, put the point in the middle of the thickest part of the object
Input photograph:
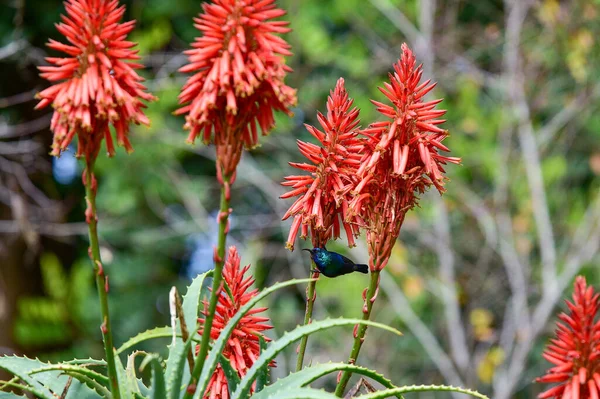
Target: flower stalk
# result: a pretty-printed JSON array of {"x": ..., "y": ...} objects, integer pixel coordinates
[
  {"x": 101, "y": 276},
  {"x": 320, "y": 209},
  {"x": 360, "y": 330},
  {"x": 219, "y": 257},
  {"x": 311, "y": 296}
]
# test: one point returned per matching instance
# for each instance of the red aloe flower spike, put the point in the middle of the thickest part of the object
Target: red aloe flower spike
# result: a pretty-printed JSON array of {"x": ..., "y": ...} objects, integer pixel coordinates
[
  {"x": 238, "y": 72},
  {"x": 96, "y": 86},
  {"x": 575, "y": 352},
  {"x": 400, "y": 159},
  {"x": 323, "y": 197},
  {"x": 243, "y": 347}
]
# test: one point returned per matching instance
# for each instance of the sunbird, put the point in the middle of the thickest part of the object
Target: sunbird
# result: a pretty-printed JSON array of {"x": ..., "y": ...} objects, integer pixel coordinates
[{"x": 332, "y": 264}]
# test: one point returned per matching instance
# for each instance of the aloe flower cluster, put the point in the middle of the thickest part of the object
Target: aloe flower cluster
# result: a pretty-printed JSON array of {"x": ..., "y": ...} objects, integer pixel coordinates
[
  {"x": 575, "y": 351},
  {"x": 370, "y": 177},
  {"x": 95, "y": 85},
  {"x": 322, "y": 207},
  {"x": 401, "y": 158},
  {"x": 243, "y": 347},
  {"x": 238, "y": 77}
]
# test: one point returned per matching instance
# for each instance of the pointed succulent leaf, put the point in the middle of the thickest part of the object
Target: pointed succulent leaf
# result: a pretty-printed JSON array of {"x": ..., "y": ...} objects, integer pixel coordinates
[
  {"x": 303, "y": 393},
  {"x": 10, "y": 395},
  {"x": 309, "y": 374},
  {"x": 213, "y": 356},
  {"x": 296, "y": 334},
  {"x": 158, "y": 332},
  {"x": 263, "y": 373},
  {"x": 44, "y": 378},
  {"x": 179, "y": 368},
  {"x": 124, "y": 387},
  {"x": 176, "y": 369},
  {"x": 233, "y": 378},
  {"x": 421, "y": 388},
  {"x": 158, "y": 388},
  {"x": 191, "y": 300}
]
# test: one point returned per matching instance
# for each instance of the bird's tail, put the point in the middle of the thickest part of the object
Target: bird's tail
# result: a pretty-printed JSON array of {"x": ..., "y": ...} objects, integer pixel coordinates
[{"x": 361, "y": 268}]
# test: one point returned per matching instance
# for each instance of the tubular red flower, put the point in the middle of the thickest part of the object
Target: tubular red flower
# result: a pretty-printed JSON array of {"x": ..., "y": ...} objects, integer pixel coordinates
[
  {"x": 322, "y": 204},
  {"x": 400, "y": 159},
  {"x": 95, "y": 86},
  {"x": 243, "y": 347},
  {"x": 238, "y": 72},
  {"x": 575, "y": 352}
]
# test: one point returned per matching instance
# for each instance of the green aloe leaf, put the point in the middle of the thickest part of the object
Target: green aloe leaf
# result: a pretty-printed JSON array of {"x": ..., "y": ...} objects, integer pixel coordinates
[
  {"x": 312, "y": 373},
  {"x": 177, "y": 370},
  {"x": 10, "y": 395},
  {"x": 135, "y": 384},
  {"x": 44, "y": 378},
  {"x": 213, "y": 356},
  {"x": 263, "y": 373},
  {"x": 158, "y": 388},
  {"x": 233, "y": 378},
  {"x": 289, "y": 337},
  {"x": 100, "y": 390},
  {"x": 158, "y": 332},
  {"x": 124, "y": 385},
  {"x": 191, "y": 300},
  {"x": 303, "y": 393},
  {"x": 421, "y": 388}
]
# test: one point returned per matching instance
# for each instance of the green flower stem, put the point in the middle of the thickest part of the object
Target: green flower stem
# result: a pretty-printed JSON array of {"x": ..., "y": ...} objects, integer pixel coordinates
[
  {"x": 311, "y": 293},
  {"x": 360, "y": 332},
  {"x": 101, "y": 277},
  {"x": 214, "y": 296}
]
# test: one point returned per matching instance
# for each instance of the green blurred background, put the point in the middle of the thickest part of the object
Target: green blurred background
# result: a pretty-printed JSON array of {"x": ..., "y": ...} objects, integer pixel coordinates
[{"x": 477, "y": 276}]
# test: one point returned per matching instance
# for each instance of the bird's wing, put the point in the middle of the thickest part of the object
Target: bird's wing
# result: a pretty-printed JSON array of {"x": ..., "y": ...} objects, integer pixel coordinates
[{"x": 346, "y": 260}]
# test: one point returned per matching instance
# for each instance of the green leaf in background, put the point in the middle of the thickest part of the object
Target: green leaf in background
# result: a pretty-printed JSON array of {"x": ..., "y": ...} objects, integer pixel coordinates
[
  {"x": 153, "y": 38},
  {"x": 53, "y": 276}
]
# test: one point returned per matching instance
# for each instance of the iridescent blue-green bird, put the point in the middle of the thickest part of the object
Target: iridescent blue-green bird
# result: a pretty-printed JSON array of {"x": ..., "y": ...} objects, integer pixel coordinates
[{"x": 332, "y": 264}]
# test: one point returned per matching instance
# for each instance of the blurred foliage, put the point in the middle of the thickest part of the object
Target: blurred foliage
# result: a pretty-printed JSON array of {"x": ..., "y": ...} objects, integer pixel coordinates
[{"x": 158, "y": 205}]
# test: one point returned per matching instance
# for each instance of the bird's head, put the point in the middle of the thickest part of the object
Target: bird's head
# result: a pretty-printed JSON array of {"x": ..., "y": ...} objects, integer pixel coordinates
[
  {"x": 310, "y": 251},
  {"x": 315, "y": 251}
]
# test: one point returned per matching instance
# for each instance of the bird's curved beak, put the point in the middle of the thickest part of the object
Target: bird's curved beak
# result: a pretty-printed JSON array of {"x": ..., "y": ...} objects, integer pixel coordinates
[{"x": 309, "y": 250}]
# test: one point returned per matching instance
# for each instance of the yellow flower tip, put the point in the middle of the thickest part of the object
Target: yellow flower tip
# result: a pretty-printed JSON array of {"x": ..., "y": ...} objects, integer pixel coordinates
[
  {"x": 190, "y": 142},
  {"x": 289, "y": 246},
  {"x": 129, "y": 150}
]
